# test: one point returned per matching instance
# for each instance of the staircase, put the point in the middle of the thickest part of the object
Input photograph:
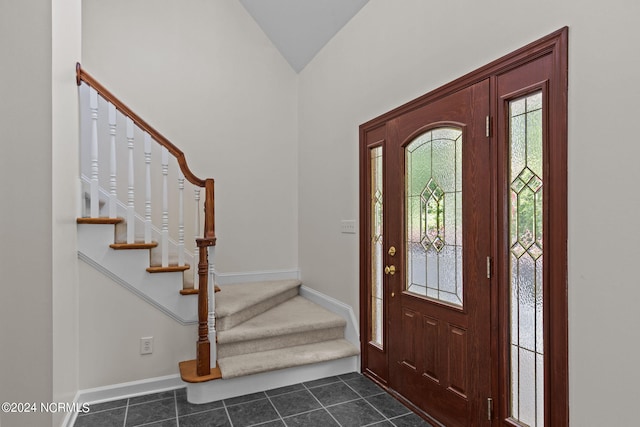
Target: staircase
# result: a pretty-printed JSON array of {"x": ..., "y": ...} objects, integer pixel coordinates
[
  {"x": 269, "y": 326},
  {"x": 268, "y": 334},
  {"x": 252, "y": 336}
]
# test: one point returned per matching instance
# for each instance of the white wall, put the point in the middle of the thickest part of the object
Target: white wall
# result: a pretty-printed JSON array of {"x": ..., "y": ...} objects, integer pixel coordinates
[
  {"x": 25, "y": 213},
  {"x": 65, "y": 42},
  {"x": 112, "y": 322},
  {"x": 206, "y": 76},
  {"x": 392, "y": 52}
]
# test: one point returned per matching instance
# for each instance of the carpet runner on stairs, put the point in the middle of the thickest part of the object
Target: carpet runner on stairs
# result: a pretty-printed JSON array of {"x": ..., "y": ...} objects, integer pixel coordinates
[{"x": 266, "y": 326}]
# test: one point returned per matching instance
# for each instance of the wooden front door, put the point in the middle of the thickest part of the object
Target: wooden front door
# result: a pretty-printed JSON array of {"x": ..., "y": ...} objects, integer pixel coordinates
[
  {"x": 428, "y": 185},
  {"x": 438, "y": 217},
  {"x": 463, "y": 194}
]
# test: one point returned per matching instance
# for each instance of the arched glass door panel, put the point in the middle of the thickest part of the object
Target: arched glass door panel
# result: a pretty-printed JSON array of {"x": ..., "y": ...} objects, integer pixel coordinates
[{"x": 433, "y": 165}]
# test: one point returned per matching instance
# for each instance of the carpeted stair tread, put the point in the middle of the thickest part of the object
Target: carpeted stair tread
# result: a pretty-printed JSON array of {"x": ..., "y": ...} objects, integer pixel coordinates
[
  {"x": 253, "y": 363},
  {"x": 293, "y": 316},
  {"x": 238, "y": 303}
]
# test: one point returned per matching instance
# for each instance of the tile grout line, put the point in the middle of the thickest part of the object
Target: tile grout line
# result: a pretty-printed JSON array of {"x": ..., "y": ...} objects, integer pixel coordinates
[
  {"x": 303, "y": 387},
  {"x": 321, "y": 405},
  {"x": 342, "y": 403},
  {"x": 282, "y": 394},
  {"x": 126, "y": 413},
  {"x": 226, "y": 411},
  {"x": 242, "y": 403},
  {"x": 276, "y": 409},
  {"x": 175, "y": 405},
  {"x": 369, "y": 403}
]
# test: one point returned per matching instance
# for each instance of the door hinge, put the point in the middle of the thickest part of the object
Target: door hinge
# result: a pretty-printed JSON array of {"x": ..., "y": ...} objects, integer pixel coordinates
[
  {"x": 489, "y": 408},
  {"x": 488, "y": 267},
  {"x": 488, "y": 126}
]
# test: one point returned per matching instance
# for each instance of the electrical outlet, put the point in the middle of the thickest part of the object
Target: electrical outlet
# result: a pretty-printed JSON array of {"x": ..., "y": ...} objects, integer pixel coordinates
[
  {"x": 146, "y": 345},
  {"x": 348, "y": 226}
]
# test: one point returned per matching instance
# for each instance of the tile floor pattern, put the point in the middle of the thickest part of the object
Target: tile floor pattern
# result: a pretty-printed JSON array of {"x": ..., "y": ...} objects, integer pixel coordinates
[{"x": 345, "y": 400}]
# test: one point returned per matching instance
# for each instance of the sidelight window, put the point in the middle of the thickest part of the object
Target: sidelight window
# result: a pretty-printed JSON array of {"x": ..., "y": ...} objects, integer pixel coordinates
[
  {"x": 526, "y": 259},
  {"x": 377, "y": 260}
]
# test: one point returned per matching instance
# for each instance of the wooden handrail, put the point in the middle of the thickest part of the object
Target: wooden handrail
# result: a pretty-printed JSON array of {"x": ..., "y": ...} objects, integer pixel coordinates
[
  {"x": 203, "y": 354},
  {"x": 83, "y": 76}
]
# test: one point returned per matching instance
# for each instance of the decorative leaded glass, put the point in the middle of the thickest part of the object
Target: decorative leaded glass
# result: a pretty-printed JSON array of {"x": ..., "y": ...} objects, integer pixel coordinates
[
  {"x": 376, "y": 246},
  {"x": 434, "y": 215},
  {"x": 526, "y": 257}
]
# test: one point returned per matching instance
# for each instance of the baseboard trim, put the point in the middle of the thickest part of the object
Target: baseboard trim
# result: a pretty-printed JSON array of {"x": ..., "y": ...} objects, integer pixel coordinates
[
  {"x": 130, "y": 389},
  {"x": 227, "y": 388},
  {"x": 123, "y": 391},
  {"x": 351, "y": 332},
  {"x": 215, "y": 390}
]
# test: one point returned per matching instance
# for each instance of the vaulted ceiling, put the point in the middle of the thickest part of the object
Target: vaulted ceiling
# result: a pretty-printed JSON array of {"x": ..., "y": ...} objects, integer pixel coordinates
[{"x": 300, "y": 28}]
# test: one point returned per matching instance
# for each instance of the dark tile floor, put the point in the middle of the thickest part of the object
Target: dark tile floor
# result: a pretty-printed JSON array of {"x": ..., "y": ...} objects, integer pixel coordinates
[{"x": 346, "y": 400}]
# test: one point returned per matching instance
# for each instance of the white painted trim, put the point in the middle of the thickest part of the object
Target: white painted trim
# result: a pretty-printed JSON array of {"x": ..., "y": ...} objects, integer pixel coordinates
[
  {"x": 123, "y": 391},
  {"x": 70, "y": 419},
  {"x": 161, "y": 302},
  {"x": 212, "y": 391},
  {"x": 255, "y": 276},
  {"x": 161, "y": 291},
  {"x": 219, "y": 389},
  {"x": 352, "y": 330}
]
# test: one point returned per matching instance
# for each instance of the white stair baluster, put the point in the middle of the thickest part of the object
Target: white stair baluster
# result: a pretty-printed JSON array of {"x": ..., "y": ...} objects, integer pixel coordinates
[
  {"x": 94, "y": 196},
  {"x": 113, "y": 196},
  {"x": 196, "y": 233},
  {"x": 180, "y": 217},
  {"x": 131, "y": 213},
  {"x": 212, "y": 308},
  {"x": 165, "y": 207},
  {"x": 147, "y": 198}
]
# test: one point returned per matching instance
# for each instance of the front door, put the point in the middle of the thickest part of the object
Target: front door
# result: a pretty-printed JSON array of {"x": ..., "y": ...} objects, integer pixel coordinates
[
  {"x": 439, "y": 220},
  {"x": 461, "y": 318},
  {"x": 437, "y": 211}
]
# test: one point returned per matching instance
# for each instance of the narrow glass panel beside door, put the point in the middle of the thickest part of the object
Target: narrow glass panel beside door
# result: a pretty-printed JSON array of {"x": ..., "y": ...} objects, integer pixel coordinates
[
  {"x": 526, "y": 255},
  {"x": 377, "y": 259},
  {"x": 433, "y": 164}
]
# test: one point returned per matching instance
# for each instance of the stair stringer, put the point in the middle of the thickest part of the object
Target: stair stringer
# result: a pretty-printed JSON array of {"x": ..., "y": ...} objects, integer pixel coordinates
[
  {"x": 212, "y": 391},
  {"x": 128, "y": 268}
]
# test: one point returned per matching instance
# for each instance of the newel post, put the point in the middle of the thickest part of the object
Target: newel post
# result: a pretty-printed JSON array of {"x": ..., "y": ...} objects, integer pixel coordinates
[{"x": 203, "y": 350}]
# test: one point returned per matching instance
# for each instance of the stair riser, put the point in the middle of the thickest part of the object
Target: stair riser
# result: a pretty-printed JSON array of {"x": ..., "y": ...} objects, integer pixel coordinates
[
  {"x": 228, "y": 322},
  {"x": 283, "y": 341},
  {"x": 253, "y": 363}
]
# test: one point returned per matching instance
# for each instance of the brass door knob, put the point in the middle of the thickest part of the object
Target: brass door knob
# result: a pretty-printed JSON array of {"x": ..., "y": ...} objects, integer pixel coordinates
[
  {"x": 392, "y": 251},
  {"x": 390, "y": 269}
]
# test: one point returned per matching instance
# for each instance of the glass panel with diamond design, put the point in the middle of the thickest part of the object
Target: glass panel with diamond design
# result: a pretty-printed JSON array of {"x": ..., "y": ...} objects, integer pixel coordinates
[
  {"x": 526, "y": 257},
  {"x": 376, "y": 247},
  {"x": 434, "y": 215}
]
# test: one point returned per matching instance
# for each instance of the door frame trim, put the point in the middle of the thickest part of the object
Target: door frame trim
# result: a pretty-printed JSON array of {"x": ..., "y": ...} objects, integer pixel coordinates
[{"x": 556, "y": 45}]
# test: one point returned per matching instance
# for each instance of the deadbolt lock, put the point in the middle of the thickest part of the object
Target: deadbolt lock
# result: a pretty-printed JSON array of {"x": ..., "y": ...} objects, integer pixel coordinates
[
  {"x": 390, "y": 269},
  {"x": 392, "y": 250}
]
